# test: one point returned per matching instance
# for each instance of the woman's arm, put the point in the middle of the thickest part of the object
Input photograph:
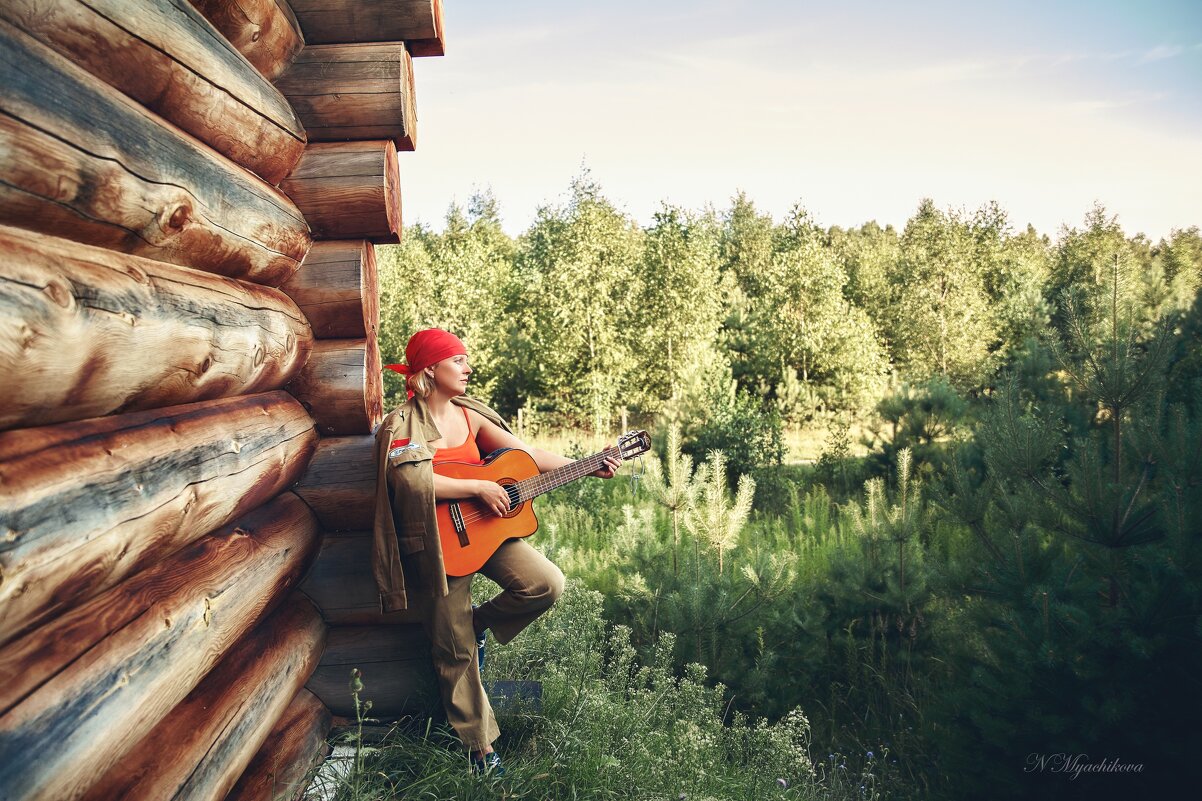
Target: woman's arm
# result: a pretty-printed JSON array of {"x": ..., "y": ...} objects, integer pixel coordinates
[{"x": 491, "y": 494}]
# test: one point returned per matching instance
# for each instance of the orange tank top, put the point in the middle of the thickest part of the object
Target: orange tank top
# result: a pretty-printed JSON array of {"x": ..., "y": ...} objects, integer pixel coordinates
[{"x": 468, "y": 452}]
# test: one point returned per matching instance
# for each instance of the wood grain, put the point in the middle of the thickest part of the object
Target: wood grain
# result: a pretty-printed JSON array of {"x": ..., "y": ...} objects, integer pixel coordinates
[
  {"x": 339, "y": 484},
  {"x": 338, "y": 290},
  {"x": 418, "y": 23},
  {"x": 354, "y": 91},
  {"x": 172, "y": 583},
  {"x": 93, "y": 332},
  {"x": 264, "y": 31},
  {"x": 78, "y": 724},
  {"x": 398, "y": 676},
  {"x": 80, "y": 160},
  {"x": 84, "y": 505},
  {"x": 166, "y": 56},
  {"x": 342, "y": 586},
  {"x": 349, "y": 190},
  {"x": 201, "y": 747},
  {"x": 296, "y": 744},
  {"x": 341, "y": 386}
]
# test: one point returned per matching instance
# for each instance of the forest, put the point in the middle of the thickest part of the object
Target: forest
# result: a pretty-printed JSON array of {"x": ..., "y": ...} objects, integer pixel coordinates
[{"x": 927, "y": 500}]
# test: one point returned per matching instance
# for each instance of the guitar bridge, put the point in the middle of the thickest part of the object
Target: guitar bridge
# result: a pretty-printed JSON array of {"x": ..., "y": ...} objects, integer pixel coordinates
[{"x": 460, "y": 526}]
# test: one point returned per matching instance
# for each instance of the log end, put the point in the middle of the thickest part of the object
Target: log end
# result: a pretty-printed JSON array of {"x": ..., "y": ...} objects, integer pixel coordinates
[
  {"x": 435, "y": 46},
  {"x": 341, "y": 386},
  {"x": 392, "y": 191}
]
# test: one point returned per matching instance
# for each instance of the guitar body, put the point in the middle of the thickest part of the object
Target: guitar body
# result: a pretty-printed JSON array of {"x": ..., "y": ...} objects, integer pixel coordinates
[{"x": 471, "y": 533}]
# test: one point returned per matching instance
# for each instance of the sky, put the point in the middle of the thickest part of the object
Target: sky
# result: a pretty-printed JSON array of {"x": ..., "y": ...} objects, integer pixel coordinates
[{"x": 856, "y": 110}]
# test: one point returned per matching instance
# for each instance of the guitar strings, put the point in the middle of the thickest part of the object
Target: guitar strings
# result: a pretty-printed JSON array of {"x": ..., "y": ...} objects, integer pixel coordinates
[{"x": 568, "y": 473}]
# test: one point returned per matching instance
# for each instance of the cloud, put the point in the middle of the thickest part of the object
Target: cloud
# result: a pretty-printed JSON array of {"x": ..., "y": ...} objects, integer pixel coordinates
[{"x": 1162, "y": 52}]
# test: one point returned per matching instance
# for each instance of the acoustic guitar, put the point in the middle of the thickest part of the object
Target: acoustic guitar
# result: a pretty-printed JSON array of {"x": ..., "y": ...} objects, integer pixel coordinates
[{"x": 471, "y": 532}]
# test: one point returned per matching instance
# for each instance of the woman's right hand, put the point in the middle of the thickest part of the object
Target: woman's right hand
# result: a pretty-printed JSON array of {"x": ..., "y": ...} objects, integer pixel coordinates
[{"x": 493, "y": 496}]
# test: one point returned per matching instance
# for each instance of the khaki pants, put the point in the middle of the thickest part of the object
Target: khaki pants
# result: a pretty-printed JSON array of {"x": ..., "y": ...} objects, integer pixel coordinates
[{"x": 530, "y": 583}]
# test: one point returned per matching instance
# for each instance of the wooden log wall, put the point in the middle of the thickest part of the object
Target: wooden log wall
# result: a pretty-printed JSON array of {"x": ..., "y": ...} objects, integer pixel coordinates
[
  {"x": 337, "y": 290},
  {"x": 162, "y": 397},
  {"x": 60, "y": 738},
  {"x": 83, "y": 161},
  {"x": 84, "y": 319},
  {"x": 197, "y": 81},
  {"x": 266, "y": 32},
  {"x": 389, "y": 648},
  {"x": 202, "y": 747},
  {"x": 294, "y": 746},
  {"x": 349, "y": 190},
  {"x": 416, "y": 22},
  {"x": 359, "y": 91}
]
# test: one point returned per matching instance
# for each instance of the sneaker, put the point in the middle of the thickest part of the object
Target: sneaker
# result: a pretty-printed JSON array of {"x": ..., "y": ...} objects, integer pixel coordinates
[{"x": 489, "y": 764}]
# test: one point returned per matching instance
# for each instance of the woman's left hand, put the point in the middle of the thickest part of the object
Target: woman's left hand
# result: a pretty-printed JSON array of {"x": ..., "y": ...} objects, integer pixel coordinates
[{"x": 609, "y": 469}]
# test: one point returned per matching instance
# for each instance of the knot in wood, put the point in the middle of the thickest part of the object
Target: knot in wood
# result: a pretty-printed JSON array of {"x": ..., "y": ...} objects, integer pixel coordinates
[
  {"x": 59, "y": 294},
  {"x": 179, "y": 218},
  {"x": 256, "y": 33}
]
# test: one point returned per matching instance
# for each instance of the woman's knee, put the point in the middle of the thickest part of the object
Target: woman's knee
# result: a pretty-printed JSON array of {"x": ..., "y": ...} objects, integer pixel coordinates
[
  {"x": 555, "y": 583},
  {"x": 547, "y": 588}
]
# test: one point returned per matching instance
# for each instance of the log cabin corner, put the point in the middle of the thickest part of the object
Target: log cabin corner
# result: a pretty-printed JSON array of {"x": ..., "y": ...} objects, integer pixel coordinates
[{"x": 190, "y": 193}]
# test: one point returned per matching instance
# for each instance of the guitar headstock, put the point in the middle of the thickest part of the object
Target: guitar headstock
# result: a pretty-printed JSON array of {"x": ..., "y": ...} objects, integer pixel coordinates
[{"x": 633, "y": 443}]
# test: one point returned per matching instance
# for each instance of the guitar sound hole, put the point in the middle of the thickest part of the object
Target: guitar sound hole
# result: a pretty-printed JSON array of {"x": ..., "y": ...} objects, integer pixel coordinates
[{"x": 513, "y": 498}]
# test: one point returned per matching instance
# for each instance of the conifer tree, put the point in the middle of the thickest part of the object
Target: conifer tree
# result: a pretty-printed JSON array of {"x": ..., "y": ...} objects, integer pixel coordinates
[
  {"x": 671, "y": 484},
  {"x": 1086, "y": 601},
  {"x": 712, "y": 518}
]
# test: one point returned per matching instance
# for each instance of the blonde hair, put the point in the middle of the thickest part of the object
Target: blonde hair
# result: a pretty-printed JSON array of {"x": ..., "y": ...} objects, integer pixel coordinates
[{"x": 420, "y": 384}]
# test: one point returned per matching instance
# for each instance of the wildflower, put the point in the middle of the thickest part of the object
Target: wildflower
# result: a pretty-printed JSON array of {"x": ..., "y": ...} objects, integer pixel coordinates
[
  {"x": 831, "y": 757},
  {"x": 870, "y": 755}
]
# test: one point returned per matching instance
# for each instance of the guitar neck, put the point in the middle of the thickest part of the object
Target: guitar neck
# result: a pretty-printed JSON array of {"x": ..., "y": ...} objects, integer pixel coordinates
[{"x": 554, "y": 479}]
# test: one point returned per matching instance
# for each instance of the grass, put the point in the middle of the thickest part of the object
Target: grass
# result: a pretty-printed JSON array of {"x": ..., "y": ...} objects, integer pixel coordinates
[{"x": 609, "y": 728}]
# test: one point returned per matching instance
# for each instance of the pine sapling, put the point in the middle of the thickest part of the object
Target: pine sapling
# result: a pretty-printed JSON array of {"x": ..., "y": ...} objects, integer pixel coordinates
[{"x": 672, "y": 486}]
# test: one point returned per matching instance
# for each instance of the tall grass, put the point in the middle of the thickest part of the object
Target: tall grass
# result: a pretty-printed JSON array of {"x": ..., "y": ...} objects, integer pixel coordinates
[{"x": 611, "y": 726}]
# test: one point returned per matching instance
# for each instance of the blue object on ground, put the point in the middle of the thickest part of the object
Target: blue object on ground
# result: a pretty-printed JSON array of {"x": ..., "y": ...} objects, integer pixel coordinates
[{"x": 488, "y": 764}]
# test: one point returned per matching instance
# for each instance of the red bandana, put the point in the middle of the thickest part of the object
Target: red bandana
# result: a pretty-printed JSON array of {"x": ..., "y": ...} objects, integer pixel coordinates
[{"x": 426, "y": 348}]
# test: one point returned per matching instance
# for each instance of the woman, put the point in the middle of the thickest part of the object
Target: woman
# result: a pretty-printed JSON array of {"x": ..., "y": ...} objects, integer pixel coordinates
[{"x": 440, "y": 422}]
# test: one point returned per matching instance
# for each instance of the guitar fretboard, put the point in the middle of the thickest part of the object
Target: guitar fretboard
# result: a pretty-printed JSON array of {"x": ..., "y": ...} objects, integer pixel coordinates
[{"x": 554, "y": 479}]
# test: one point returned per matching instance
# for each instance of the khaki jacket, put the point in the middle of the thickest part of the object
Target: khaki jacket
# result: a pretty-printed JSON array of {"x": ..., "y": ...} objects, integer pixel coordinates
[{"x": 405, "y": 524}]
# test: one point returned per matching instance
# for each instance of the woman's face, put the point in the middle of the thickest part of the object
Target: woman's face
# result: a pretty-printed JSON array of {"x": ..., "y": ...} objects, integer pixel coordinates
[{"x": 450, "y": 375}]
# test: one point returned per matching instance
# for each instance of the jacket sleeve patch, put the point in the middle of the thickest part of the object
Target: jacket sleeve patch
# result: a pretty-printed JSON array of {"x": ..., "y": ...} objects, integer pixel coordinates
[{"x": 396, "y": 449}]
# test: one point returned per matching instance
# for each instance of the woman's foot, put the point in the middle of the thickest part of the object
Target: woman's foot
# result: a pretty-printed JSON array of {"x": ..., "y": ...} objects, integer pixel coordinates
[{"x": 487, "y": 763}]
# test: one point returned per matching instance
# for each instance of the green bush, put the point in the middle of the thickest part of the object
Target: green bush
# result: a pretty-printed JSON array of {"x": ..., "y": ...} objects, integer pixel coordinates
[{"x": 745, "y": 428}]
